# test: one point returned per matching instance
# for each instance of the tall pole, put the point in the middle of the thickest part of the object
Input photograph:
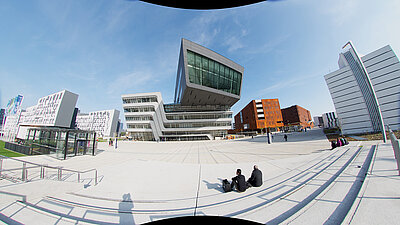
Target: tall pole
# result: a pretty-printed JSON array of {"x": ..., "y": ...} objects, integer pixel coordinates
[{"x": 372, "y": 88}]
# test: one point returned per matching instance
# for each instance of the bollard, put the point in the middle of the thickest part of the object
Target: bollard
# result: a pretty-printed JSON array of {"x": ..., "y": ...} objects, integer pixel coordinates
[
  {"x": 59, "y": 173},
  {"x": 95, "y": 178},
  {"x": 41, "y": 172},
  {"x": 1, "y": 165},
  {"x": 79, "y": 177},
  {"x": 23, "y": 172}
]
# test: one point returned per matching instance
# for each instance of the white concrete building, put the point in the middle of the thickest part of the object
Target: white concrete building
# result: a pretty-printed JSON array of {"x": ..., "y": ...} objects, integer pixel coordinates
[
  {"x": 148, "y": 118},
  {"x": 366, "y": 90},
  {"x": 103, "y": 122},
  {"x": 330, "y": 120},
  {"x": 55, "y": 110}
]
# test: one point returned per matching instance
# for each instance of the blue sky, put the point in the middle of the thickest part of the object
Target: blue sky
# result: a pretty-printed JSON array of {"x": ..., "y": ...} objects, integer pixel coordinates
[{"x": 101, "y": 49}]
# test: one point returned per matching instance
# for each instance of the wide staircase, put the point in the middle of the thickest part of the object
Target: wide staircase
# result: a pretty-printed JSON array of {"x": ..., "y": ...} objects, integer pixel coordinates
[{"x": 322, "y": 190}]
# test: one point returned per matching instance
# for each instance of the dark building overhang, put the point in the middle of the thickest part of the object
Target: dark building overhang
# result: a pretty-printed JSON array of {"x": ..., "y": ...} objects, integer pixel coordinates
[{"x": 188, "y": 92}]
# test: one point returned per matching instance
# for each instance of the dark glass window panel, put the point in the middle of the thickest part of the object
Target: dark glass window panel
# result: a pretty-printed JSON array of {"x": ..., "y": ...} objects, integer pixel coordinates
[
  {"x": 212, "y": 74},
  {"x": 190, "y": 57},
  {"x": 198, "y": 61},
  {"x": 204, "y": 63}
]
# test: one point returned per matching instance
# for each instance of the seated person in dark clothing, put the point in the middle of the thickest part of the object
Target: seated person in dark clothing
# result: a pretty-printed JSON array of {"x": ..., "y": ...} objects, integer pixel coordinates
[
  {"x": 239, "y": 182},
  {"x": 256, "y": 178}
]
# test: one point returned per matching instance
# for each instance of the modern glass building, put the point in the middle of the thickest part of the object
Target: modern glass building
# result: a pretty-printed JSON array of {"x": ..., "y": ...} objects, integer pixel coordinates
[
  {"x": 207, "y": 85},
  {"x": 205, "y": 77}
]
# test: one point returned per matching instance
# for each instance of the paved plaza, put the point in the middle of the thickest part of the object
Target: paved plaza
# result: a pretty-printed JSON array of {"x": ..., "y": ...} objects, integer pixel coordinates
[{"x": 304, "y": 183}]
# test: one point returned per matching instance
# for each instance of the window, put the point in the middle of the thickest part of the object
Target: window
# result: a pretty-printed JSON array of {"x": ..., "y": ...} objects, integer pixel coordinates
[{"x": 209, "y": 73}]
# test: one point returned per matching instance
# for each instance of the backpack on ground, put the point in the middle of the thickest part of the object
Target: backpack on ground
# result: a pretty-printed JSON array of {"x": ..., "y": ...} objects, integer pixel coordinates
[{"x": 226, "y": 185}]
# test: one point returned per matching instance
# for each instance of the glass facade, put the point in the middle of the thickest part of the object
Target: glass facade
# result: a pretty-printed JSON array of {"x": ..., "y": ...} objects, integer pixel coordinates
[
  {"x": 209, "y": 73},
  {"x": 61, "y": 143}
]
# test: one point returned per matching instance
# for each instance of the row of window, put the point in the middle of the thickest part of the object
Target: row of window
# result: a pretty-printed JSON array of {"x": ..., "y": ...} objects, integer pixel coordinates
[
  {"x": 139, "y": 126},
  {"x": 138, "y": 118},
  {"x": 140, "y": 109},
  {"x": 207, "y": 72},
  {"x": 198, "y": 117},
  {"x": 196, "y": 125},
  {"x": 140, "y": 100},
  {"x": 216, "y": 133}
]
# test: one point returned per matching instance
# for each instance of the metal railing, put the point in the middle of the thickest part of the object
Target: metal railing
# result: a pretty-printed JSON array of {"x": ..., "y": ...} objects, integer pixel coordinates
[
  {"x": 396, "y": 147},
  {"x": 23, "y": 176}
]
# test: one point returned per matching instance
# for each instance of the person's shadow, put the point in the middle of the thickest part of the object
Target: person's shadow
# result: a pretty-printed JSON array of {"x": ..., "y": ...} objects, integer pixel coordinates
[
  {"x": 125, "y": 210},
  {"x": 216, "y": 186}
]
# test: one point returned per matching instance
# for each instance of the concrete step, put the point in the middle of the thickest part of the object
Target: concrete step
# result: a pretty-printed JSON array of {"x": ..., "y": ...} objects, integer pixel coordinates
[
  {"x": 325, "y": 206},
  {"x": 259, "y": 204}
]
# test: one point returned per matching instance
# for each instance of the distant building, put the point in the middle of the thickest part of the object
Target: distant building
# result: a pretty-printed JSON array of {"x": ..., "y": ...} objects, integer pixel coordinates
[
  {"x": 296, "y": 118},
  {"x": 318, "y": 121},
  {"x": 330, "y": 120},
  {"x": 104, "y": 123},
  {"x": 207, "y": 85},
  {"x": 2, "y": 114},
  {"x": 327, "y": 120},
  {"x": 55, "y": 110},
  {"x": 259, "y": 115},
  {"x": 366, "y": 90}
]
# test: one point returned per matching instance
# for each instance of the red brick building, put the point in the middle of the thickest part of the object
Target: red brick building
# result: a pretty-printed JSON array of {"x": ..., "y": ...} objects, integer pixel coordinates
[
  {"x": 260, "y": 116},
  {"x": 297, "y": 118}
]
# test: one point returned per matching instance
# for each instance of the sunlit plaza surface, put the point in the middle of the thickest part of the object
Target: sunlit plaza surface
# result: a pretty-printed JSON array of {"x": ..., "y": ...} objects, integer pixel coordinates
[{"x": 304, "y": 182}]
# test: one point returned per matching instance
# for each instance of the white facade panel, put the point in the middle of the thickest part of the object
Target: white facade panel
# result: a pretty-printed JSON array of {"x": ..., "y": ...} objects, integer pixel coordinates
[
  {"x": 392, "y": 121},
  {"x": 393, "y": 105},
  {"x": 343, "y": 86},
  {"x": 386, "y": 63},
  {"x": 377, "y": 52},
  {"x": 103, "y": 122},
  {"x": 354, "y": 101},
  {"x": 353, "y": 107},
  {"x": 388, "y": 79},
  {"x": 356, "y": 124},
  {"x": 389, "y": 99},
  {"x": 377, "y": 59},
  {"x": 338, "y": 82},
  {"x": 355, "y": 95},
  {"x": 346, "y": 113},
  {"x": 337, "y": 75},
  {"x": 395, "y": 90},
  {"x": 360, "y": 130},
  {"x": 385, "y": 85},
  {"x": 359, "y": 117},
  {"x": 345, "y": 92},
  {"x": 384, "y": 71}
]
